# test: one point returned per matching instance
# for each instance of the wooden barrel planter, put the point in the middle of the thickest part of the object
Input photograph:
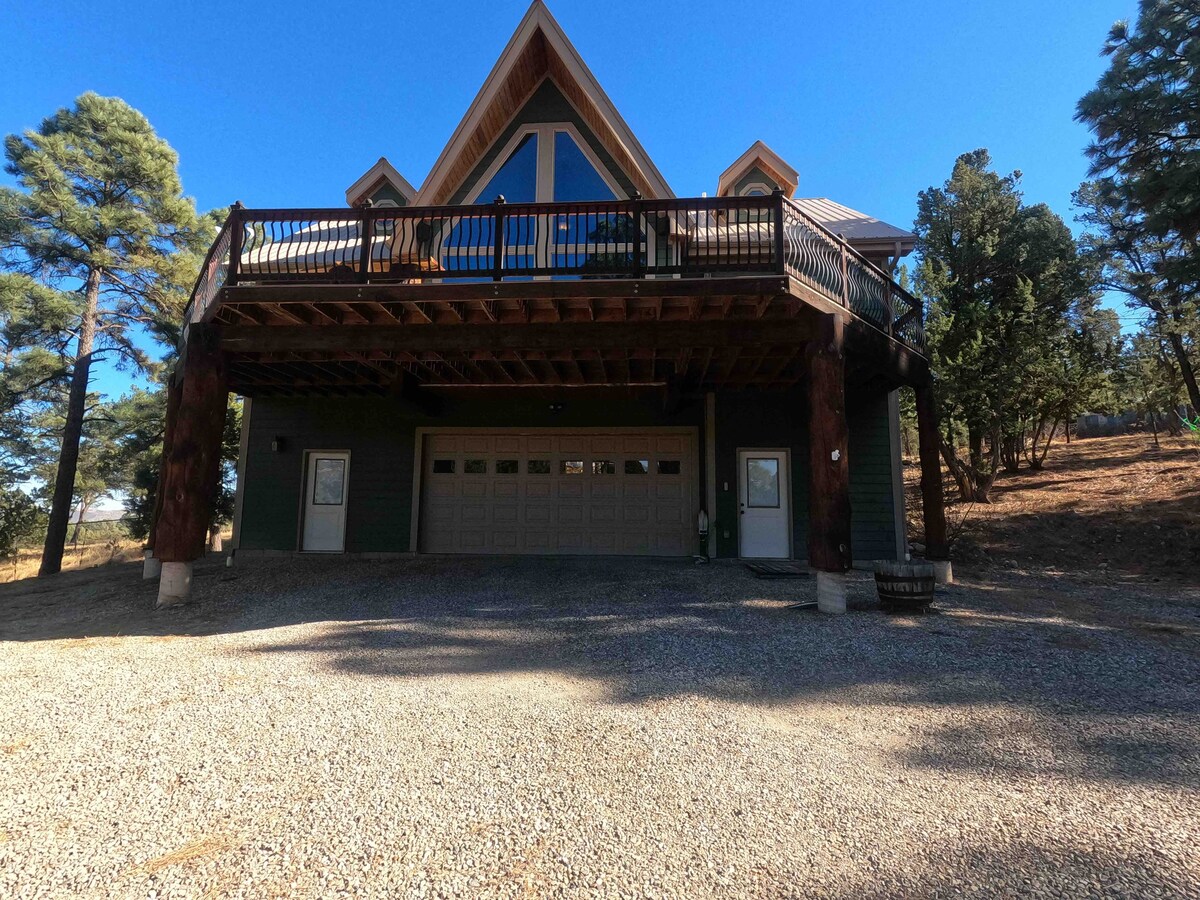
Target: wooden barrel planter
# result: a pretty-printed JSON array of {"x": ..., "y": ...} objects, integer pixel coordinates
[{"x": 904, "y": 587}]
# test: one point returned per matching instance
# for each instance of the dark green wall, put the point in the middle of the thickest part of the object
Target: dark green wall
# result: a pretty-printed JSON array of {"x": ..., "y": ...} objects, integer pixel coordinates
[
  {"x": 381, "y": 436},
  {"x": 386, "y": 192},
  {"x": 771, "y": 421},
  {"x": 546, "y": 105},
  {"x": 754, "y": 176}
]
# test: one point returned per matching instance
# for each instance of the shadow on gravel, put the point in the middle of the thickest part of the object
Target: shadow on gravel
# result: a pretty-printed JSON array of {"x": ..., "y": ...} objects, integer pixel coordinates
[{"x": 1100, "y": 699}]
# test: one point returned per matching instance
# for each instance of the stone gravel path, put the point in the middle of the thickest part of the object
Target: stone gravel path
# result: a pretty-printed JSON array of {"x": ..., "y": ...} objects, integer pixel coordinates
[{"x": 538, "y": 728}]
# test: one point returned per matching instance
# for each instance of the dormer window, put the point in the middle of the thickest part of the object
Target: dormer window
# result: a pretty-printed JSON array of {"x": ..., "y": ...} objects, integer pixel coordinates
[{"x": 756, "y": 189}]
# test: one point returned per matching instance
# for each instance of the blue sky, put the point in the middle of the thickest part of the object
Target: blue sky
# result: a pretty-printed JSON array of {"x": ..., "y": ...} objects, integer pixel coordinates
[{"x": 286, "y": 104}]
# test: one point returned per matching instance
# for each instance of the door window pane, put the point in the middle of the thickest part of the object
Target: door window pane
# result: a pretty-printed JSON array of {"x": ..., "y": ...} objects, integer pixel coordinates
[
  {"x": 507, "y": 467},
  {"x": 538, "y": 467},
  {"x": 762, "y": 483},
  {"x": 328, "y": 481},
  {"x": 575, "y": 178},
  {"x": 604, "y": 467},
  {"x": 637, "y": 467},
  {"x": 475, "y": 467},
  {"x": 668, "y": 467},
  {"x": 443, "y": 467},
  {"x": 570, "y": 467}
]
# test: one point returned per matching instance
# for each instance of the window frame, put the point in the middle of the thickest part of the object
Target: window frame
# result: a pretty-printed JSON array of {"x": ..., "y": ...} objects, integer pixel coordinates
[{"x": 544, "y": 188}]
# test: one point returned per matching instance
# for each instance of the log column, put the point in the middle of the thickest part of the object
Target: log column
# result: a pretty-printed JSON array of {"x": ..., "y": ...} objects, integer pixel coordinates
[
  {"x": 828, "y": 466},
  {"x": 192, "y": 463},
  {"x": 933, "y": 502},
  {"x": 151, "y": 564}
]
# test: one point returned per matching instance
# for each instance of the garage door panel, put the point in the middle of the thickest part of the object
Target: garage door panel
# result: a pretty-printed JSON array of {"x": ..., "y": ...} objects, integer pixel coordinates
[{"x": 567, "y": 493}]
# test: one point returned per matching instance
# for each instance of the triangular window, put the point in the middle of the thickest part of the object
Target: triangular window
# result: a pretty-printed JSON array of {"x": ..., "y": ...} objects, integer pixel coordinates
[
  {"x": 517, "y": 178},
  {"x": 575, "y": 178}
]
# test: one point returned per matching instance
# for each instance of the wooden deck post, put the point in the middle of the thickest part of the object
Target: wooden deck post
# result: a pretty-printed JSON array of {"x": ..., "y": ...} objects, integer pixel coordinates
[
  {"x": 828, "y": 466},
  {"x": 937, "y": 547},
  {"x": 192, "y": 463},
  {"x": 151, "y": 564}
]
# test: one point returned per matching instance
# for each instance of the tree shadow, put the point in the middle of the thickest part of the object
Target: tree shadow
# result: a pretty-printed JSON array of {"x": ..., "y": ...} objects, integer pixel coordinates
[{"x": 1101, "y": 698}]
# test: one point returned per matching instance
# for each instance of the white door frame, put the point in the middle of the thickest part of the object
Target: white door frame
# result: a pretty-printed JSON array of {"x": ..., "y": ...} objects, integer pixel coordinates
[
  {"x": 306, "y": 457},
  {"x": 786, "y": 496}
]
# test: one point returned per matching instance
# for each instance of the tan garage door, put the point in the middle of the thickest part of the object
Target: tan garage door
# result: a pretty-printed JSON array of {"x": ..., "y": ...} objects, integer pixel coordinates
[{"x": 559, "y": 493}]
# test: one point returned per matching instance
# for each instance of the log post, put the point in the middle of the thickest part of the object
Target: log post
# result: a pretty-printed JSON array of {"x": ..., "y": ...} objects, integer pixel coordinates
[
  {"x": 151, "y": 564},
  {"x": 192, "y": 463},
  {"x": 933, "y": 502},
  {"x": 828, "y": 466}
]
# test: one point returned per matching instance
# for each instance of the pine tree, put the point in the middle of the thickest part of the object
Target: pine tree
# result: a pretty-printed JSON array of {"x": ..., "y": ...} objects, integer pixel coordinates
[
  {"x": 99, "y": 211},
  {"x": 1145, "y": 115}
]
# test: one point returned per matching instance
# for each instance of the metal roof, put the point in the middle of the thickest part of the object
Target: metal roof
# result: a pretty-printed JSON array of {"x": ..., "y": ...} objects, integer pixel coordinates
[{"x": 852, "y": 224}]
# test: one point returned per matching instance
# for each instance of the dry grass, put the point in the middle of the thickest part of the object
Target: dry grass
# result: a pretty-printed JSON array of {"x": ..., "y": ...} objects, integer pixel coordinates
[
  {"x": 1113, "y": 506},
  {"x": 197, "y": 849},
  {"x": 86, "y": 556}
]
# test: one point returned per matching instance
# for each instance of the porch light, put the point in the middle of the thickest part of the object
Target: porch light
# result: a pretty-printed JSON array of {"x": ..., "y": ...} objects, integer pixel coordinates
[{"x": 277, "y": 444}]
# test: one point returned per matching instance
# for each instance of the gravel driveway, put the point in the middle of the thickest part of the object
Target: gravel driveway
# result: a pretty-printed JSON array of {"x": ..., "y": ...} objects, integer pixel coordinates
[{"x": 527, "y": 728}]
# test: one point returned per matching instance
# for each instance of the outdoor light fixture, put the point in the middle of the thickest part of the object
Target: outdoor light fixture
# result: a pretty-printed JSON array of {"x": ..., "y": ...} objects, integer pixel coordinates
[
  {"x": 277, "y": 444},
  {"x": 556, "y": 408}
]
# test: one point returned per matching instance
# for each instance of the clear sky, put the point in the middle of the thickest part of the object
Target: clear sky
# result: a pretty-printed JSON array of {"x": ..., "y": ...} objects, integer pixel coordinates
[{"x": 286, "y": 104}]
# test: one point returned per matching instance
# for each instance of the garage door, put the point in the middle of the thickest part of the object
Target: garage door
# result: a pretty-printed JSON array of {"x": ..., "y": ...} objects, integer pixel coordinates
[{"x": 559, "y": 493}]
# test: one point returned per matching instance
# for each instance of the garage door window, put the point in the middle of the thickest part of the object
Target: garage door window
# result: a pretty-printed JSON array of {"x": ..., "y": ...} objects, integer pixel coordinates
[
  {"x": 475, "y": 467},
  {"x": 604, "y": 467},
  {"x": 443, "y": 467},
  {"x": 571, "y": 467},
  {"x": 507, "y": 467},
  {"x": 668, "y": 467},
  {"x": 538, "y": 467},
  {"x": 637, "y": 467}
]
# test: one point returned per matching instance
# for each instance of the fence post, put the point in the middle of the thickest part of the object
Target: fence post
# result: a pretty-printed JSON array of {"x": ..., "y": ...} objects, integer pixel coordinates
[
  {"x": 236, "y": 234},
  {"x": 845, "y": 272},
  {"x": 366, "y": 231},
  {"x": 635, "y": 239},
  {"x": 498, "y": 239},
  {"x": 780, "y": 261}
]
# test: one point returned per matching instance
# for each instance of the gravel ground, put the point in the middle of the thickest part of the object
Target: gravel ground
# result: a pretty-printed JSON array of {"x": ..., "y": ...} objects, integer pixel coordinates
[{"x": 509, "y": 728}]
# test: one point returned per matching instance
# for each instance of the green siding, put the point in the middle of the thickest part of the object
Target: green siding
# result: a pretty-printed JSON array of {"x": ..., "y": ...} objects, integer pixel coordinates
[
  {"x": 381, "y": 437},
  {"x": 754, "y": 176},
  {"x": 770, "y": 421},
  {"x": 386, "y": 192},
  {"x": 546, "y": 105}
]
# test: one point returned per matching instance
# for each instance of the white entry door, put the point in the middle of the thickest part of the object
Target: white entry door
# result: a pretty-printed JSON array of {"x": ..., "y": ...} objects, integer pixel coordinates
[
  {"x": 325, "y": 502},
  {"x": 764, "y": 518}
]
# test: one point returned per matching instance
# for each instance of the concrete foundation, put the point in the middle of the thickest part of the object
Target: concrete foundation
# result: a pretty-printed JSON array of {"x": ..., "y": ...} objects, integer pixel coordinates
[
  {"x": 174, "y": 584},
  {"x": 943, "y": 571},
  {"x": 831, "y": 592},
  {"x": 151, "y": 567}
]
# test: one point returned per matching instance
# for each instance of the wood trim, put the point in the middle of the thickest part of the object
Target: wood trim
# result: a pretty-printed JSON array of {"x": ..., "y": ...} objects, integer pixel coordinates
[
  {"x": 239, "y": 491},
  {"x": 539, "y": 336}
]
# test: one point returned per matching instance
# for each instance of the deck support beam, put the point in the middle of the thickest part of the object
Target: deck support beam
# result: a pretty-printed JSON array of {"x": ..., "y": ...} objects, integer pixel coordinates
[
  {"x": 192, "y": 463},
  {"x": 151, "y": 564},
  {"x": 933, "y": 503},
  {"x": 828, "y": 469}
]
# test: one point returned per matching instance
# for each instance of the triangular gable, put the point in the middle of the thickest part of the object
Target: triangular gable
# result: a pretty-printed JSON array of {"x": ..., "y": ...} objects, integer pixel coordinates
[
  {"x": 376, "y": 181},
  {"x": 537, "y": 51},
  {"x": 767, "y": 162}
]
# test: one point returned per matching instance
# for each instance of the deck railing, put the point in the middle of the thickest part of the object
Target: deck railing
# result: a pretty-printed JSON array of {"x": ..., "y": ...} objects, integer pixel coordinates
[{"x": 678, "y": 238}]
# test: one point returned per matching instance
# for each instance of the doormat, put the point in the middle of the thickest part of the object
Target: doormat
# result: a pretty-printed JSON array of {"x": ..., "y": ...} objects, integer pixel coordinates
[{"x": 777, "y": 570}]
